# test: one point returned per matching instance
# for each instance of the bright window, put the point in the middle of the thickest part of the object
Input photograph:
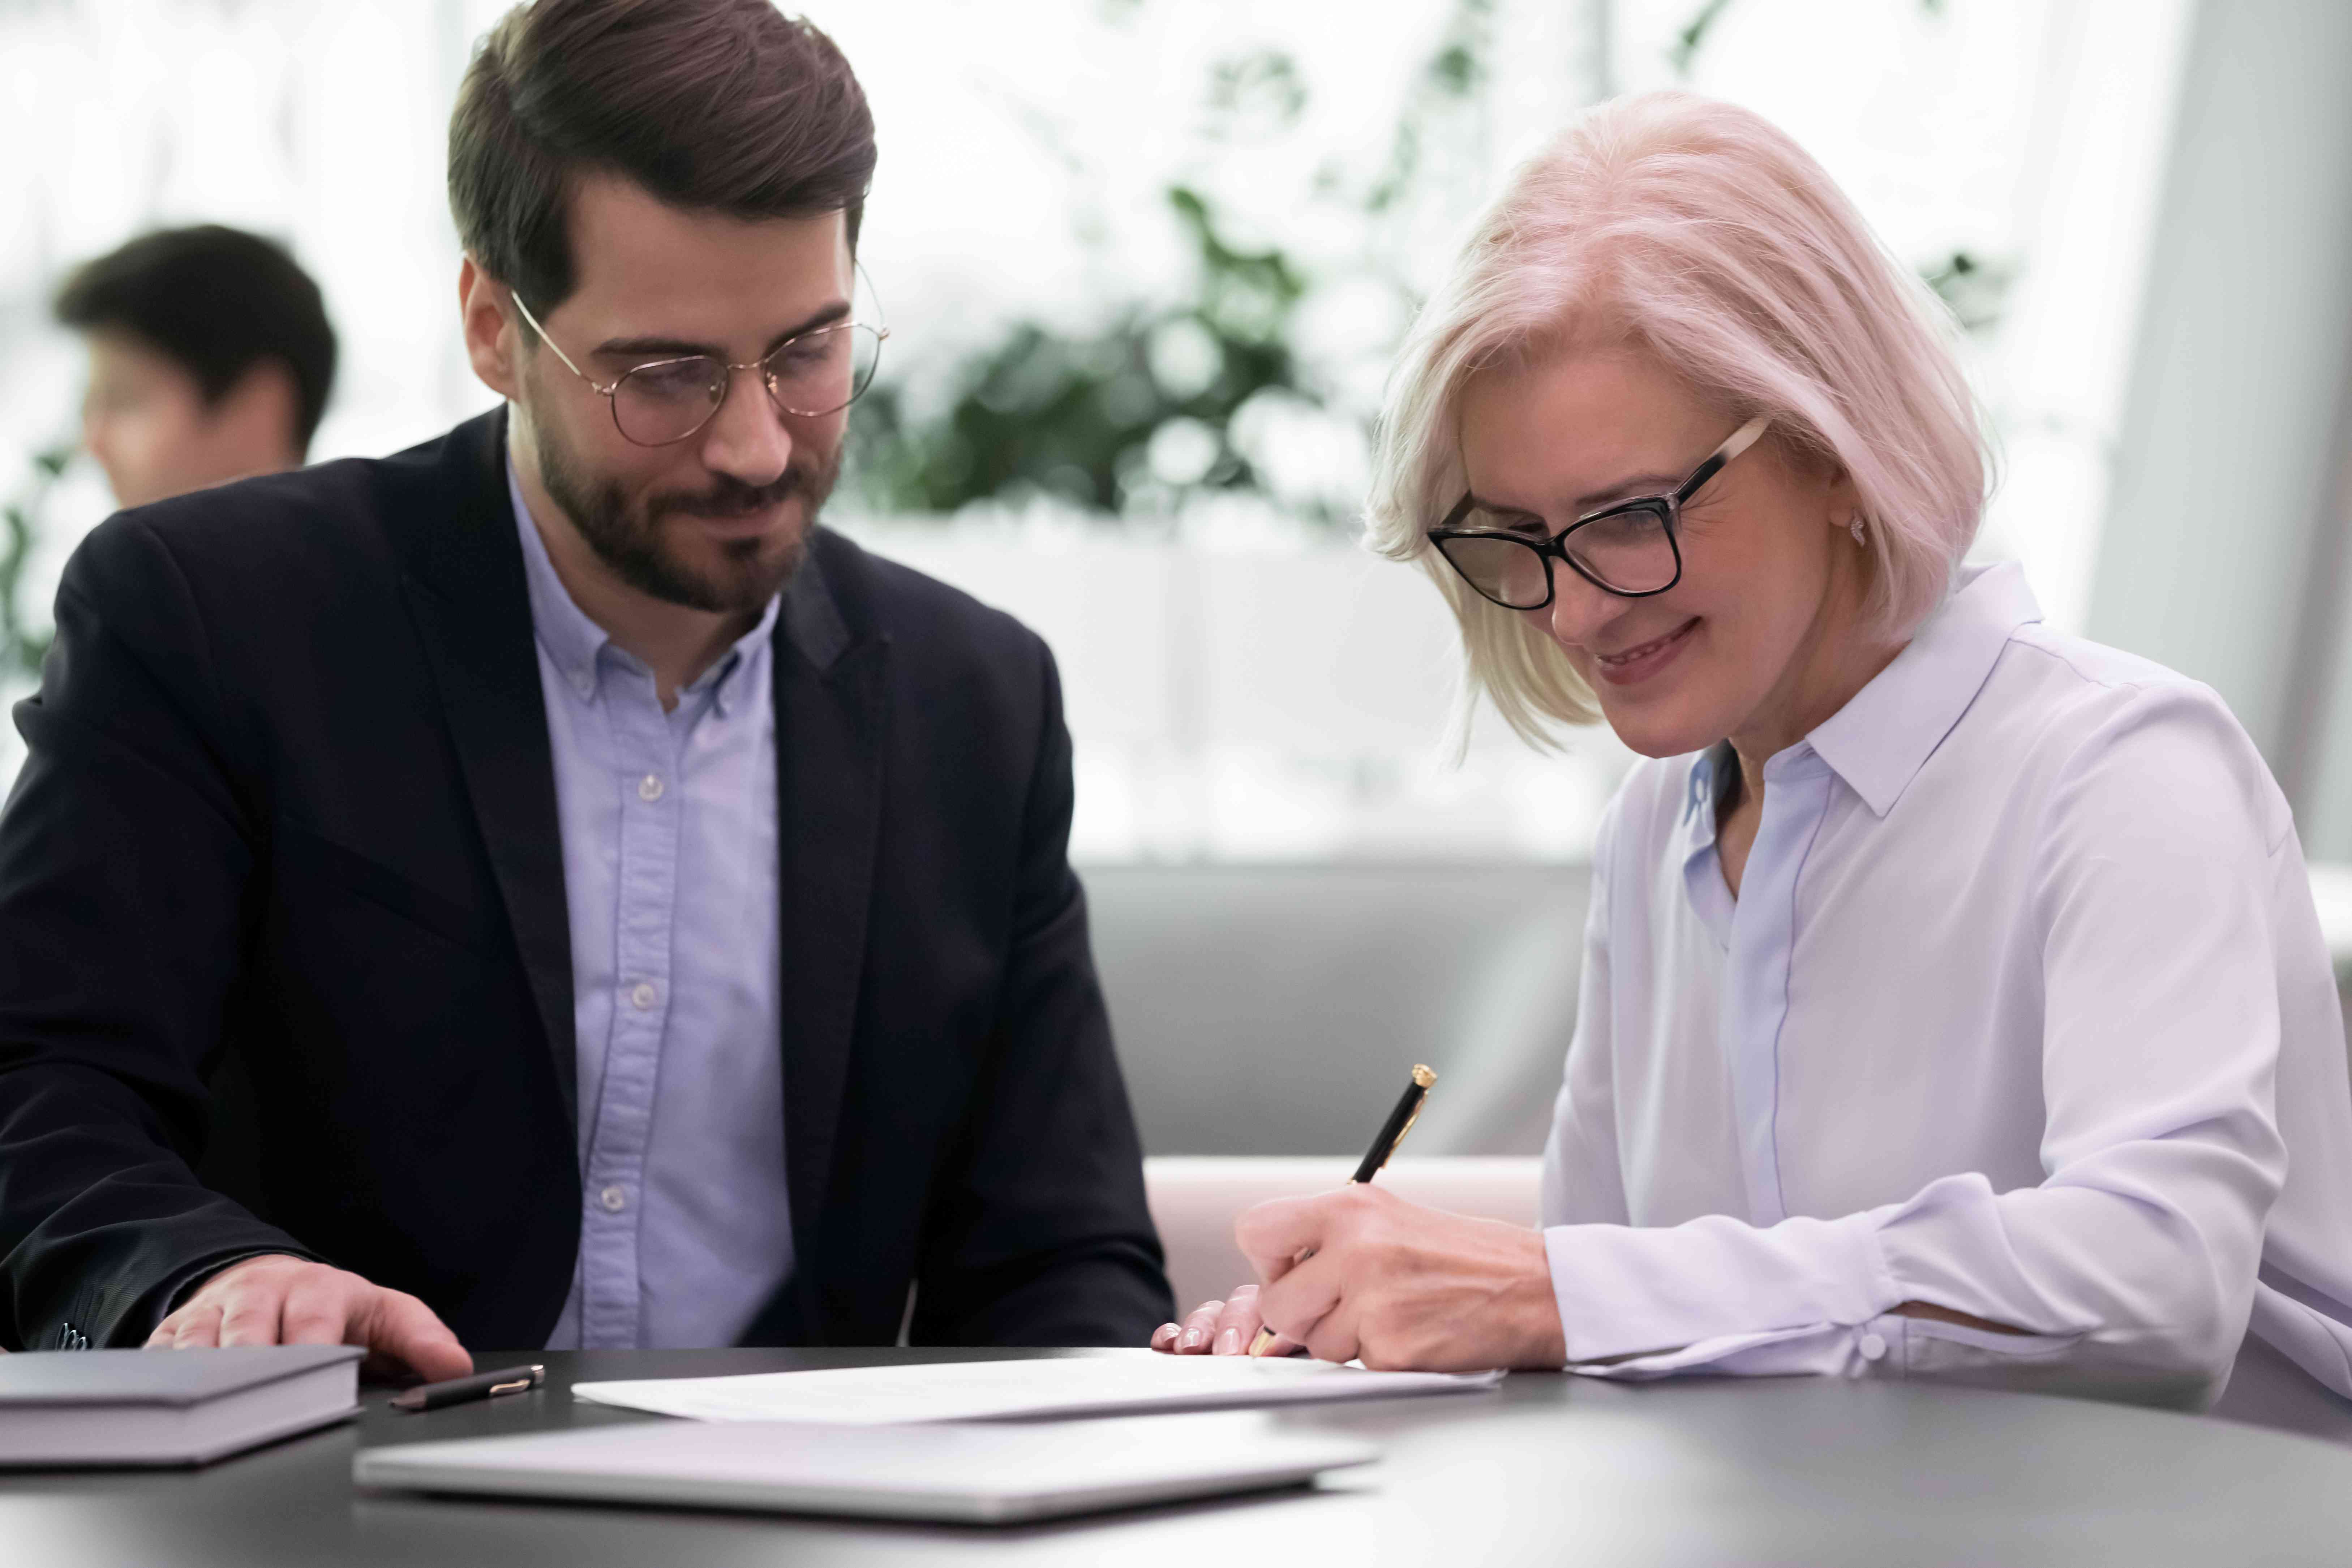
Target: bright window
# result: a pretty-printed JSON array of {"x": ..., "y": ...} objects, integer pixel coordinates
[{"x": 1144, "y": 261}]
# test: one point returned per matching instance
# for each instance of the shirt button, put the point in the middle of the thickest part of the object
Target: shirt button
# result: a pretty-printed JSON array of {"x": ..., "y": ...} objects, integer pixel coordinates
[
  {"x": 644, "y": 995},
  {"x": 649, "y": 788},
  {"x": 585, "y": 686},
  {"x": 1873, "y": 1347},
  {"x": 614, "y": 1199}
]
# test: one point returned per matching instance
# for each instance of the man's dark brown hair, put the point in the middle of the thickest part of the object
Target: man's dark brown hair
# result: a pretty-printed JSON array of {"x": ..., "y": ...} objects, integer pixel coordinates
[{"x": 724, "y": 106}]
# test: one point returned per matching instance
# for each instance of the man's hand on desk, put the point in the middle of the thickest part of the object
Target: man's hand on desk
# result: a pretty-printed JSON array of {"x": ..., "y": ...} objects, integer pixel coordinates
[
  {"x": 1360, "y": 1273},
  {"x": 277, "y": 1299}
]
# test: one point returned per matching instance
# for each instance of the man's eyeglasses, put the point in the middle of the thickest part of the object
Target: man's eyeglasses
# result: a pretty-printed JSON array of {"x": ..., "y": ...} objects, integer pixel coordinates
[
  {"x": 811, "y": 373},
  {"x": 1631, "y": 549}
]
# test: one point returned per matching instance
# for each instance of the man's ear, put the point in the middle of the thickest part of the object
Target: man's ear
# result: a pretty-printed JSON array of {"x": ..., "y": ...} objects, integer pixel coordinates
[
  {"x": 493, "y": 341},
  {"x": 256, "y": 424}
]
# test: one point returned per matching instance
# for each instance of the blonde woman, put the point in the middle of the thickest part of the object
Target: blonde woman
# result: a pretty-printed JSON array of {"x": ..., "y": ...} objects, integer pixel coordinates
[{"x": 1952, "y": 1000}]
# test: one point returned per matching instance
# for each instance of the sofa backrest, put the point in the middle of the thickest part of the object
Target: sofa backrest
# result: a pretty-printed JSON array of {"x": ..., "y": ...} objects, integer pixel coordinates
[{"x": 1276, "y": 1010}]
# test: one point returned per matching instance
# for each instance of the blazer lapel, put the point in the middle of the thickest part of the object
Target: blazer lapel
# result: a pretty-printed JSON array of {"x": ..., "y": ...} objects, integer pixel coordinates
[
  {"x": 464, "y": 586},
  {"x": 831, "y": 711}
]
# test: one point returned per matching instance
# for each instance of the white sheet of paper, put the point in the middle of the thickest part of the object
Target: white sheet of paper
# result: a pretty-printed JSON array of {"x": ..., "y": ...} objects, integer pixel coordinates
[{"x": 1141, "y": 1382}]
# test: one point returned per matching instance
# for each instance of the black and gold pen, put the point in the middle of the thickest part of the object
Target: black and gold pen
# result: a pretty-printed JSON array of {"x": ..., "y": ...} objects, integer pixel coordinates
[
  {"x": 481, "y": 1386},
  {"x": 1384, "y": 1147}
]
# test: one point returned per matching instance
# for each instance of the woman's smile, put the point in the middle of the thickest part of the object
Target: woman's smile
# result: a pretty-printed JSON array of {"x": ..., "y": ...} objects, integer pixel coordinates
[{"x": 1631, "y": 666}]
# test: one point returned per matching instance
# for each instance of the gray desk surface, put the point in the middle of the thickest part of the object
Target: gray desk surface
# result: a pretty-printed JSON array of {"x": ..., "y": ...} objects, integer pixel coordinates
[{"x": 1549, "y": 1469}]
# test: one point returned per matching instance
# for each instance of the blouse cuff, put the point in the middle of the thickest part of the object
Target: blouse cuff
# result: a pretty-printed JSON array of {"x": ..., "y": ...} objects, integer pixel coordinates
[{"x": 1625, "y": 1291}]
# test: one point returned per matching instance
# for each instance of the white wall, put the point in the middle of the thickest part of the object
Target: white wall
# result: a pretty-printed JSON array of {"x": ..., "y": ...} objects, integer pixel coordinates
[
  {"x": 1269, "y": 703},
  {"x": 2221, "y": 555}
]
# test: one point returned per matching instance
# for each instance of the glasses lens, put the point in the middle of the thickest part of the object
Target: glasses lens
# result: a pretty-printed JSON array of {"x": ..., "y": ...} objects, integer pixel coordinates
[
  {"x": 1507, "y": 570},
  {"x": 658, "y": 403},
  {"x": 825, "y": 370},
  {"x": 1631, "y": 549}
]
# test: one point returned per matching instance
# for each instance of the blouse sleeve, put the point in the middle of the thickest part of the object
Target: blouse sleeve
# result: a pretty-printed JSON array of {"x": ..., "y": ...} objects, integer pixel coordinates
[
  {"x": 1583, "y": 1184},
  {"x": 2131, "y": 1267}
]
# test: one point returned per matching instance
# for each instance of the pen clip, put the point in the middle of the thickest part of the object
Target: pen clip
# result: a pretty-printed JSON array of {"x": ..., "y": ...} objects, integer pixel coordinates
[
  {"x": 532, "y": 1376},
  {"x": 1425, "y": 1081},
  {"x": 1403, "y": 1132}
]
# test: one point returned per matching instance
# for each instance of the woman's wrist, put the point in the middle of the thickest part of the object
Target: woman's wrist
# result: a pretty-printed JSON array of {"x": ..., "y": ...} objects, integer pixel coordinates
[{"x": 1542, "y": 1338}]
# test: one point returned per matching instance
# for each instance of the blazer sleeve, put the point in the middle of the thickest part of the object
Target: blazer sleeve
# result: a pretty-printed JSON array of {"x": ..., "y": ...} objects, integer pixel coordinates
[
  {"x": 1041, "y": 1235},
  {"x": 126, "y": 851}
]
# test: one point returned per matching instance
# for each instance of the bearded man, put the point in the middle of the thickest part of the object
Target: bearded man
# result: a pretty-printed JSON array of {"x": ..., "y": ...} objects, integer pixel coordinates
[{"x": 543, "y": 889}]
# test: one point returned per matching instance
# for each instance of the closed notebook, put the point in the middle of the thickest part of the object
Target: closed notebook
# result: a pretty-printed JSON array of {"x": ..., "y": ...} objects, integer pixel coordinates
[
  {"x": 167, "y": 1407},
  {"x": 968, "y": 1474}
]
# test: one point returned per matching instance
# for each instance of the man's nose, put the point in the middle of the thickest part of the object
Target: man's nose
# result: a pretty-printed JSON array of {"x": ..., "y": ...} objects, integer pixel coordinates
[{"x": 747, "y": 439}]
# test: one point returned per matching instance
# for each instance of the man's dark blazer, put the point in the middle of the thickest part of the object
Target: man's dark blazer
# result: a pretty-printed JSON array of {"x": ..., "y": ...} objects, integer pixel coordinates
[{"x": 288, "y": 817}]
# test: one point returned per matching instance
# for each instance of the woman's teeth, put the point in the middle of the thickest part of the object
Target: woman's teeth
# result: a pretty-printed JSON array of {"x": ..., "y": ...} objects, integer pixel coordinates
[{"x": 1631, "y": 654}]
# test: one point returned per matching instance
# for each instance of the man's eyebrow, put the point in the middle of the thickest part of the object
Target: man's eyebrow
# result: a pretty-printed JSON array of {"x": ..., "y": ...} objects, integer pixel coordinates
[{"x": 680, "y": 348}]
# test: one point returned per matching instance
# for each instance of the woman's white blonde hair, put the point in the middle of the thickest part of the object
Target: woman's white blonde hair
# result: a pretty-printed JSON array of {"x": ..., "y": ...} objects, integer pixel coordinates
[{"x": 1699, "y": 234}]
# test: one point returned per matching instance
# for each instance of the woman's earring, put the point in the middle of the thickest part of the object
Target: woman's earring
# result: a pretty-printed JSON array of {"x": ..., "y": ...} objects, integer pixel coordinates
[{"x": 1854, "y": 526}]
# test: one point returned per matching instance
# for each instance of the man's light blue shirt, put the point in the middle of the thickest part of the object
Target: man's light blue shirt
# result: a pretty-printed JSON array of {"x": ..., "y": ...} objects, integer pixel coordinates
[{"x": 669, "y": 870}]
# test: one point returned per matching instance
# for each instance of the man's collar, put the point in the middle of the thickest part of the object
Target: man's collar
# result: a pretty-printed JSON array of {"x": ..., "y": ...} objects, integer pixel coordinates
[
  {"x": 725, "y": 677},
  {"x": 562, "y": 628},
  {"x": 1878, "y": 741}
]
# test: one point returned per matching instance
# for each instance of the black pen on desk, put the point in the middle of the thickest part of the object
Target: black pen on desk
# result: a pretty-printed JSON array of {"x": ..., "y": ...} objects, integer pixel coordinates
[
  {"x": 1384, "y": 1147},
  {"x": 481, "y": 1386}
]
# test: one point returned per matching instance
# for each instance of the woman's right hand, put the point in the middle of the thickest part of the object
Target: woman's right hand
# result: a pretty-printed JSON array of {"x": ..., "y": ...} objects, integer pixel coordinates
[{"x": 1219, "y": 1328}]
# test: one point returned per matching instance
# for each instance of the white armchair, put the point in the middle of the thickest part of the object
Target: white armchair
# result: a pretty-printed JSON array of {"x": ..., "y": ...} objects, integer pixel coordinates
[{"x": 1195, "y": 1198}]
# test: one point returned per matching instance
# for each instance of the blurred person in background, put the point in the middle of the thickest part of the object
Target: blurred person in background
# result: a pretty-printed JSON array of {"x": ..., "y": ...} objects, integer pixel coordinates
[
  {"x": 211, "y": 359},
  {"x": 1953, "y": 1004},
  {"x": 643, "y": 918}
]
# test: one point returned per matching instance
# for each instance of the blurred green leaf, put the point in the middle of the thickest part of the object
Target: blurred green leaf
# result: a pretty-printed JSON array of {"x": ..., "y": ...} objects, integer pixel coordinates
[
  {"x": 1692, "y": 35},
  {"x": 1445, "y": 83},
  {"x": 21, "y": 649},
  {"x": 1255, "y": 96},
  {"x": 1975, "y": 288},
  {"x": 1074, "y": 417}
]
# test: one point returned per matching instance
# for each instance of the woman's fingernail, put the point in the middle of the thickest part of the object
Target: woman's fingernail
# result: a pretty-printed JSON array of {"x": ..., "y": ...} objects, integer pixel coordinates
[
  {"x": 1229, "y": 1342},
  {"x": 1193, "y": 1337}
]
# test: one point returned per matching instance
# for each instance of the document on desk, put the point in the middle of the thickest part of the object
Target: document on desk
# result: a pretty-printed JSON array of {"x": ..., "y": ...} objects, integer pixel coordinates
[{"x": 1139, "y": 1383}]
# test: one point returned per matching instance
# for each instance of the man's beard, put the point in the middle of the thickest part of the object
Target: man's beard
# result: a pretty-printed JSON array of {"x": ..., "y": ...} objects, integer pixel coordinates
[{"x": 628, "y": 539}]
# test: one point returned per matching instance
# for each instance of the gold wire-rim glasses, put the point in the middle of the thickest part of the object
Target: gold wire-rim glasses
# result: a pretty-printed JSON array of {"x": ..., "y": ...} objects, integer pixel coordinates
[{"x": 764, "y": 365}]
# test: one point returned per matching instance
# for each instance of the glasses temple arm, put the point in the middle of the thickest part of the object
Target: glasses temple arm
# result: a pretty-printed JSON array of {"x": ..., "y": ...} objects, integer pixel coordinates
[
  {"x": 1738, "y": 442},
  {"x": 552, "y": 346}
]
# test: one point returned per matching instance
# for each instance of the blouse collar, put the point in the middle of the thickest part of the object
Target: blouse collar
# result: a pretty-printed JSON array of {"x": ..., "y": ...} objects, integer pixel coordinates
[{"x": 1879, "y": 740}]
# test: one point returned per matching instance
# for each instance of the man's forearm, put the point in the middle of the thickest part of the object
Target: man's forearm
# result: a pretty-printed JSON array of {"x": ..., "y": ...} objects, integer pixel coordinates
[{"x": 103, "y": 1224}]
